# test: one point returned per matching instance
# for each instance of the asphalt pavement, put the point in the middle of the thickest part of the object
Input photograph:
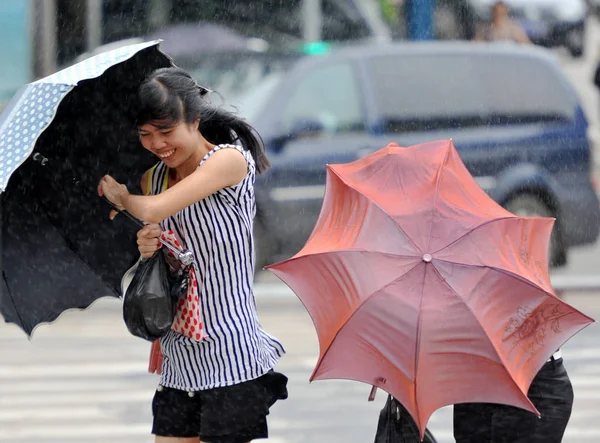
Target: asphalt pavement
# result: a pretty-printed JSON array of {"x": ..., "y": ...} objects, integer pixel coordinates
[{"x": 84, "y": 378}]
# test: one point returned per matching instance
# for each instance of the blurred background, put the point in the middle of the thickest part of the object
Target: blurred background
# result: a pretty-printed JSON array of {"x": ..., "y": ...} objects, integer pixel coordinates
[{"x": 328, "y": 81}]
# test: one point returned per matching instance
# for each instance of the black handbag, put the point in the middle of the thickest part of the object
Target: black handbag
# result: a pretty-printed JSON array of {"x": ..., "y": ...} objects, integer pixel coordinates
[
  {"x": 397, "y": 426},
  {"x": 150, "y": 290},
  {"x": 149, "y": 303}
]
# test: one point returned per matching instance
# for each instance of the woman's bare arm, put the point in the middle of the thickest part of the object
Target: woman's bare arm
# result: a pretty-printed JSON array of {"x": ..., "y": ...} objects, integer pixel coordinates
[{"x": 226, "y": 167}]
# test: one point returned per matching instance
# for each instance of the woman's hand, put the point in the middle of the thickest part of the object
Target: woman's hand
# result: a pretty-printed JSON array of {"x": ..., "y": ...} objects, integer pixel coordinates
[
  {"x": 147, "y": 240},
  {"x": 113, "y": 191}
]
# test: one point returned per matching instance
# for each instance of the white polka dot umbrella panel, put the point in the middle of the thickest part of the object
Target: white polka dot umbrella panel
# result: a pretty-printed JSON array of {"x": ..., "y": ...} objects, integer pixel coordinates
[{"x": 33, "y": 107}]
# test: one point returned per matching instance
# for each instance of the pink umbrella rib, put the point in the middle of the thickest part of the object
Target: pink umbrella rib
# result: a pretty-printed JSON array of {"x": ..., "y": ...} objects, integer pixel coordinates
[
  {"x": 354, "y": 188},
  {"x": 512, "y": 376},
  {"x": 345, "y": 322}
]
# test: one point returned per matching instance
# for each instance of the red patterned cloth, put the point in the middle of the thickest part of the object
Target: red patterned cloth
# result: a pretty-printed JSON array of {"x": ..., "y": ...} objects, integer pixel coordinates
[{"x": 188, "y": 318}]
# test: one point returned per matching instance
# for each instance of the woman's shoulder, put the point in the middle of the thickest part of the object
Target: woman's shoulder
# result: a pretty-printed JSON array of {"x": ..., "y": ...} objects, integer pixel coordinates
[
  {"x": 246, "y": 154},
  {"x": 146, "y": 180}
]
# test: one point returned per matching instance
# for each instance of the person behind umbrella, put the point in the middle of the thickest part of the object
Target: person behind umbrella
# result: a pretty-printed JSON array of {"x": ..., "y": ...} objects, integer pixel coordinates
[
  {"x": 218, "y": 383},
  {"x": 502, "y": 27},
  {"x": 552, "y": 394}
]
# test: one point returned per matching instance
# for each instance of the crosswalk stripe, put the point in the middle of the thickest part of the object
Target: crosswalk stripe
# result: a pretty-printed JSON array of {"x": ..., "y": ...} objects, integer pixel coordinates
[
  {"x": 80, "y": 370},
  {"x": 25, "y": 433},
  {"x": 9, "y": 387},
  {"x": 70, "y": 398},
  {"x": 587, "y": 394},
  {"x": 28, "y": 414},
  {"x": 585, "y": 381}
]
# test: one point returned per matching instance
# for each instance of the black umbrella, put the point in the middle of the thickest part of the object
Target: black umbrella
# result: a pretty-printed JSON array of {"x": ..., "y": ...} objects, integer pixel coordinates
[{"x": 59, "y": 249}]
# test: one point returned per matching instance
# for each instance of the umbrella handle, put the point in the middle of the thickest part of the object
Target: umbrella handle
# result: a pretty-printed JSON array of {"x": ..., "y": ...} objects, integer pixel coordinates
[
  {"x": 135, "y": 220},
  {"x": 374, "y": 389},
  {"x": 185, "y": 257},
  {"x": 372, "y": 393}
]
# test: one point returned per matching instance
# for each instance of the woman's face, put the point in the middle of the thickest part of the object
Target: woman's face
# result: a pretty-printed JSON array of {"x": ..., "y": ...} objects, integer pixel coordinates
[
  {"x": 173, "y": 144},
  {"x": 500, "y": 11}
]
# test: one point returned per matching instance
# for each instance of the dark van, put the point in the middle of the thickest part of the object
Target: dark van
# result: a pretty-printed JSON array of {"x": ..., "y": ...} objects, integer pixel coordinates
[{"x": 511, "y": 112}]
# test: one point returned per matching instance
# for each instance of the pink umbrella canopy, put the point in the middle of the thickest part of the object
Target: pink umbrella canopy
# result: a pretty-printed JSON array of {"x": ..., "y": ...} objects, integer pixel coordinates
[{"x": 420, "y": 284}]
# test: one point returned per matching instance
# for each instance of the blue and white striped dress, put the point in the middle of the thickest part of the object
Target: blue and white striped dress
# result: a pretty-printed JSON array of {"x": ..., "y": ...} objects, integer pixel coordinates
[{"x": 218, "y": 230}]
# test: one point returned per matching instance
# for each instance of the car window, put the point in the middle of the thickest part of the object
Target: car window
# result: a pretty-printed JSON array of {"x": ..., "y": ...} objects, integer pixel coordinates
[
  {"x": 250, "y": 104},
  {"x": 426, "y": 92},
  {"x": 417, "y": 93},
  {"x": 327, "y": 99},
  {"x": 234, "y": 74},
  {"x": 521, "y": 90}
]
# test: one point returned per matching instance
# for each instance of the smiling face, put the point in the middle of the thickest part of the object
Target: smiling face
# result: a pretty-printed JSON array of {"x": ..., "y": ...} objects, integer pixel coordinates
[{"x": 173, "y": 144}]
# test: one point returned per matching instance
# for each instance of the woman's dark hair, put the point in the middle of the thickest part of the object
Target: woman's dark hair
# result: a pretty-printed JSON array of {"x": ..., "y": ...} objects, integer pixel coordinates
[{"x": 171, "y": 95}]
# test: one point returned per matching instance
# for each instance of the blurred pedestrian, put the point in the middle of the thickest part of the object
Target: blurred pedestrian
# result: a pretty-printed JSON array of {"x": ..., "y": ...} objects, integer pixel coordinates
[
  {"x": 216, "y": 384},
  {"x": 502, "y": 27},
  {"x": 551, "y": 393}
]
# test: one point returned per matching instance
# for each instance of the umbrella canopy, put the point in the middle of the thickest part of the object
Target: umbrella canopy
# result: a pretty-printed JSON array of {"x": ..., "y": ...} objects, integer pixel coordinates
[
  {"x": 58, "y": 137},
  {"x": 198, "y": 39},
  {"x": 420, "y": 284}
]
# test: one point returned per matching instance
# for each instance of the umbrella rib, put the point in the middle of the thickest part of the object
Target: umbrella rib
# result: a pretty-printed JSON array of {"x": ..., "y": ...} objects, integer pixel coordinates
[
  {"x": 418, "y": 341},
  {"x": 485, "y": 223},
  {"x": 512, "y": 378},
  {"x": 504, "y": 271},
  {"x": 11, "y": 297},
  {"x": 337, "y": 251},
  {"x": 510, "y": 274},
  {"x": 377, "y": 205},
  {"x": 354, "y": 312},
  {"x": 436, "y": 192}
]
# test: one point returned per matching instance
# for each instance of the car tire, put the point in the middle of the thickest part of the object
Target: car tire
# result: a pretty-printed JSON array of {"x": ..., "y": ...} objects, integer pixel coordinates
[
  {"x": 527, "y": 205},
  {"x": 263, "y": 246}
]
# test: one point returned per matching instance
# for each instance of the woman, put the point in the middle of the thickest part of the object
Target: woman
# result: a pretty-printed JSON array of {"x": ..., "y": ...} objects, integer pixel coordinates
[{"x": 217, "y": 386}]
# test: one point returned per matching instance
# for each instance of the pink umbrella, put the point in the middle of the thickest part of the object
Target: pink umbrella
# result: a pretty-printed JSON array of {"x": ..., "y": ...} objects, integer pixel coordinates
[{"x": 422, "y": 285}]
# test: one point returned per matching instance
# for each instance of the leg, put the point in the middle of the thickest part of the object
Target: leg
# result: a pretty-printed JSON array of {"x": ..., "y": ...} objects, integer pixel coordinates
[
  {"x": 176, "y": 416},
  {"x": 473, "y": 423},
  {"x": 551, "y": 393}
]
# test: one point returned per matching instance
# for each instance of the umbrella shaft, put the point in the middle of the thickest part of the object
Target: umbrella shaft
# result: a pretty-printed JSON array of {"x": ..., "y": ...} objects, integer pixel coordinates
[{"x": 185, "y": 257}]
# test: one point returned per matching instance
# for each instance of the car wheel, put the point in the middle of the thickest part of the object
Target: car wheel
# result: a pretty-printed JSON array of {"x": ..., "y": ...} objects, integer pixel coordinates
[
  {"x": 527, "y": 205},
  {"x": 263, "y": 246}
]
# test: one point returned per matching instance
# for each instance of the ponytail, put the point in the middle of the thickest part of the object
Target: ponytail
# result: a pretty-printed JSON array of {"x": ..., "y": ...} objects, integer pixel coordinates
[{"x": 220, "y": 126}]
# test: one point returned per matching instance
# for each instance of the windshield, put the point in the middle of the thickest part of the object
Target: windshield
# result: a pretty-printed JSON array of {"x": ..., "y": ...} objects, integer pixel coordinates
[{"x": 243, "y": 83}]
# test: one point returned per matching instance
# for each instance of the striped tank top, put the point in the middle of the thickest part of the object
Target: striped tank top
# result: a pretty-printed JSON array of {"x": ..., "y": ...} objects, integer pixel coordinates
[{"x": 218, "y": 231}]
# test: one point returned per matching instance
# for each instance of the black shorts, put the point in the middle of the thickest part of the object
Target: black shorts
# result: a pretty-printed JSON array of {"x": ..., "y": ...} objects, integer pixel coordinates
[{"x": 231, "y": 414}]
